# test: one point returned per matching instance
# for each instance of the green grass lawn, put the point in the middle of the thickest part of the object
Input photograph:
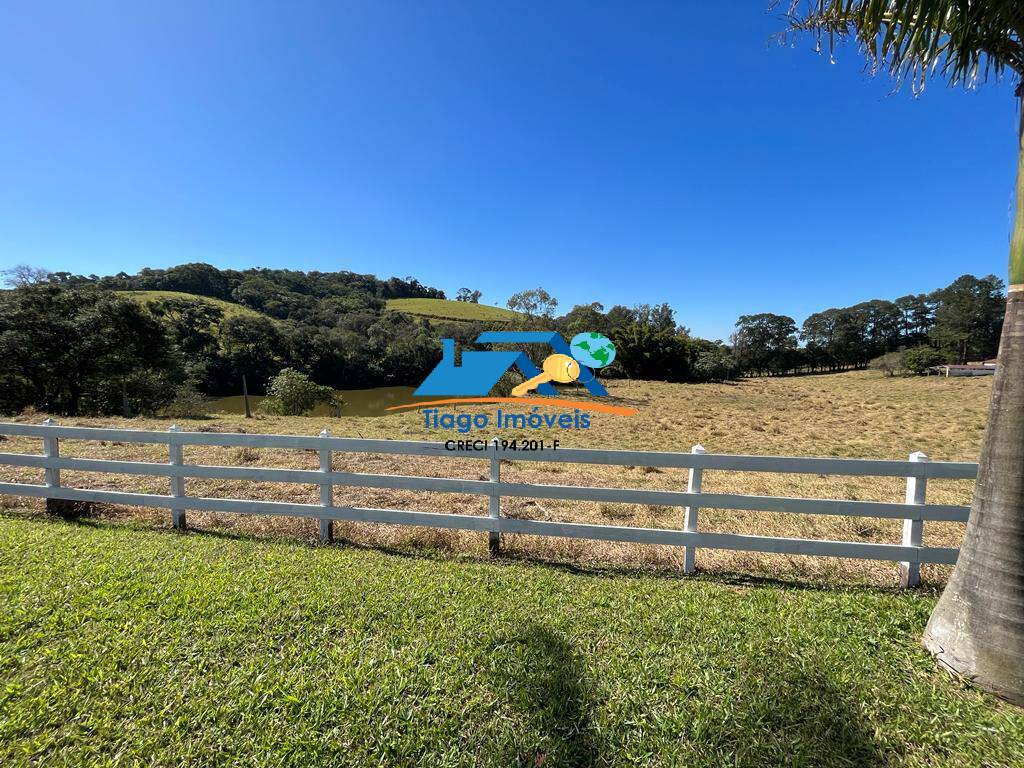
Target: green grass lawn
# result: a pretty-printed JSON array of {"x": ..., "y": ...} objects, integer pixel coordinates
[
  {"x": 451, "y": 310},
  {"x": 121, "y": 645},
  {"x": 229, "y": 308}
]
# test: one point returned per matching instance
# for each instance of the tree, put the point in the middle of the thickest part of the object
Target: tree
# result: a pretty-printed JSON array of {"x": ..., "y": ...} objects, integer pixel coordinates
[
  {"x": 712, "y": 362},
  {"x": 192, "y": 328},
  {"x": 763, "y": 343},
  {"x": 190, "y": 323},
  {"x": 200, "y": 279},
  {"x": 852, "y": 336},
  {"x": 819, "y": 335},
  {"x": 533, "y": 303},
  {"x": 291, "y": 393},
  {"x": 81, "y": 351},
  {"x": 884, "y": 322},
  {"x": 918, "y": 314},
  {"x": 977, "y": 627},
  {"x": 585, "y": 317},
  {"x": 252, "y": 347},
  {"x": 919, "y": 359},
  {"x": 968, "y": 318},
  {"x": 401, "y": 350},
  {"x": 465, "y": 294},
  {"x": 323, "y": 353},
  {"x": 619, "y": 317},
  {"x": 962, "y": 319},
  {"x": 841, "y": 338},
  {"x": 644, "y": 351},
  {"x": 659, "y": 316},
  {"x": 21, "y": 275}
]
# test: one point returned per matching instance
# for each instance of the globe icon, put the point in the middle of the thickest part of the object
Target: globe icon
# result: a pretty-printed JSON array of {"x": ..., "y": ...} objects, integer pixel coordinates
[{"x": 592, "y": 349}]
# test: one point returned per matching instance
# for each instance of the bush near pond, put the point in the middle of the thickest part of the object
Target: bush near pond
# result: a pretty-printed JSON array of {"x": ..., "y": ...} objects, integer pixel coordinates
[{"x": 291, "y": 393}]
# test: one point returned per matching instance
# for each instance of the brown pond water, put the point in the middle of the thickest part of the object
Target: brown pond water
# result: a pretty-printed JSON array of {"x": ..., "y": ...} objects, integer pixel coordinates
[{"x": 358, "y": 402}]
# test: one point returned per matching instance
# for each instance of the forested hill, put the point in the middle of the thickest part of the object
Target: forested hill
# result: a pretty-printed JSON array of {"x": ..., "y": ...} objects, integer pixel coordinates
[
  {"x": 315, "y": 298},
  {"x": 127, "y": 343},
  {"x": 131, "y": 343}
]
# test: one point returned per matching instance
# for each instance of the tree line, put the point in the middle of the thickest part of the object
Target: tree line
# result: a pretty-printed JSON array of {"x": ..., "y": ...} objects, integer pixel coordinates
[
  {"x": 956, "y": 324},
  {"x": 72, "y": 344}
]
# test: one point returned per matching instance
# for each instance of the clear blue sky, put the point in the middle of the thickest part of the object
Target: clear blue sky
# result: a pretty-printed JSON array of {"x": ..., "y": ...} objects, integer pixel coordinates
[{"x": 618, "y": 152}]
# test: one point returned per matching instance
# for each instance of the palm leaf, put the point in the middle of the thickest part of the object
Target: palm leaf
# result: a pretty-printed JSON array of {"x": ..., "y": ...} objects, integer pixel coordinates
[{"x": 962, "y": 41}]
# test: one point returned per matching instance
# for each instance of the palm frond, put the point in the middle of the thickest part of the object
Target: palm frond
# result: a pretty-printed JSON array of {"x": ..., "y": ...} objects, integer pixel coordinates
[{"x": 962, "y": 41}]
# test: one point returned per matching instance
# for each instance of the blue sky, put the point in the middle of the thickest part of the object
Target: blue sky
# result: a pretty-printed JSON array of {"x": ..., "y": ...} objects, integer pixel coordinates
[{"x": 613, "y": 152}]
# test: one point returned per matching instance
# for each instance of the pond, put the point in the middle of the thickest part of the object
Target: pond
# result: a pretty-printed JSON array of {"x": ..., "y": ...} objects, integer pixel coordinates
[{"x": 358, "y": 402}]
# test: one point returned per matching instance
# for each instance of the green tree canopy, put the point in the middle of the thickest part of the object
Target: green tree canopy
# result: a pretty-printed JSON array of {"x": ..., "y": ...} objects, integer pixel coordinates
[
  {"x": 291, "y": 393},
  {"x": 969, "y": 318},
  {"x": 78, "y": 352},
  {"x": 764, "y": 343}
]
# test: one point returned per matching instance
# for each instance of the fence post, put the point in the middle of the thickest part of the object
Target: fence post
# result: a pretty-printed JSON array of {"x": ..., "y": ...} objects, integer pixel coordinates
[
  {"x": 494, "y": 537},
  {"x": 174, "y": 454},
  {"x": 690, "y": 514},
  {"x": 917, "y": 487},
  {"x": 326, "y": 492},
  {"x": 245, "y": 398},
  {"x": 51, "y": 475}
]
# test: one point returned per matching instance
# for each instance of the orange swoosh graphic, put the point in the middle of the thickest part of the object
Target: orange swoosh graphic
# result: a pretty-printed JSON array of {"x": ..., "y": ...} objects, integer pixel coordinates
[{"x": 583, "y": 405}]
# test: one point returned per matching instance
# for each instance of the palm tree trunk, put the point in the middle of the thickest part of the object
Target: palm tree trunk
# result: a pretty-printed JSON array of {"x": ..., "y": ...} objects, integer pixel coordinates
[{"x": 977, "y": 628}]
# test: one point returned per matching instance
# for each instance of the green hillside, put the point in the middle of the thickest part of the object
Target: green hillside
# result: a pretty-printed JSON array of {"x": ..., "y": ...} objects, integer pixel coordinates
[
  {"x": 452, "y": 310},
  {"x": 229, "y": 308},
  {"x": 436, "y": 308}
]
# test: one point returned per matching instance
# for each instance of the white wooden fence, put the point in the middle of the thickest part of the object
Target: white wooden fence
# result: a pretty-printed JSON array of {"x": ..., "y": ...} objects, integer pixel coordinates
[{"x": 910, "y": 553}]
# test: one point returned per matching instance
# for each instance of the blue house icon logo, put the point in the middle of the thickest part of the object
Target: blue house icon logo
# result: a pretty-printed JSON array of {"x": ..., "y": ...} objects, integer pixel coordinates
[{"x": 479, "y": 371}]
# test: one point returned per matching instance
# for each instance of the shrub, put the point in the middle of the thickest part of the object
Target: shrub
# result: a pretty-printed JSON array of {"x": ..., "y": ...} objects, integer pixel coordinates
[
  {"x": 919, "y": 359},
  {"x": 891, "y": 363},
  {"x": 292, "y": 393},
  {"x": 187, "y": 403},
  {"x": 715, "y": 364}
]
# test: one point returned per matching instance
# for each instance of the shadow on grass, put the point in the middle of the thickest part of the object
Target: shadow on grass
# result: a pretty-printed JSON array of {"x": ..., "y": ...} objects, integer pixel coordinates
[
  {"x": 539, "y": 682},
  {"x": 789, "y": 715},
  {"x": 593, "y": 570},
  {"x": 784, "y": 712},
  {"x": 720, "y": 578}
]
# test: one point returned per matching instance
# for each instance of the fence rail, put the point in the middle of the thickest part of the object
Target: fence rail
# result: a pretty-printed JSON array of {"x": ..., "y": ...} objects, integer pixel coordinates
[{"x": 914, "y": 511}]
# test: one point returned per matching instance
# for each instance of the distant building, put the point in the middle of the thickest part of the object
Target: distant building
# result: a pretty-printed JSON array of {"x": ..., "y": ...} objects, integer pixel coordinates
[{"x": 986, "y": 368}]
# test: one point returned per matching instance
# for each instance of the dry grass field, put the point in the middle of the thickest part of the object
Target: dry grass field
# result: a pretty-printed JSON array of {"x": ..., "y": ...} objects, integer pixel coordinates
[{"x": 848, "y": 415}]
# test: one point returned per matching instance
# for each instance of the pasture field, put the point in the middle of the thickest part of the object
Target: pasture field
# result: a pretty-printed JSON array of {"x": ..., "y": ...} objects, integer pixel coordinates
[
  {"x": 229, "y": 308},
  {"x": 123, "y": 642},
  {"x": 848, "y": 415},
  {"x": 447, "y": 309},
  {"x": 125, "y": 645}
]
